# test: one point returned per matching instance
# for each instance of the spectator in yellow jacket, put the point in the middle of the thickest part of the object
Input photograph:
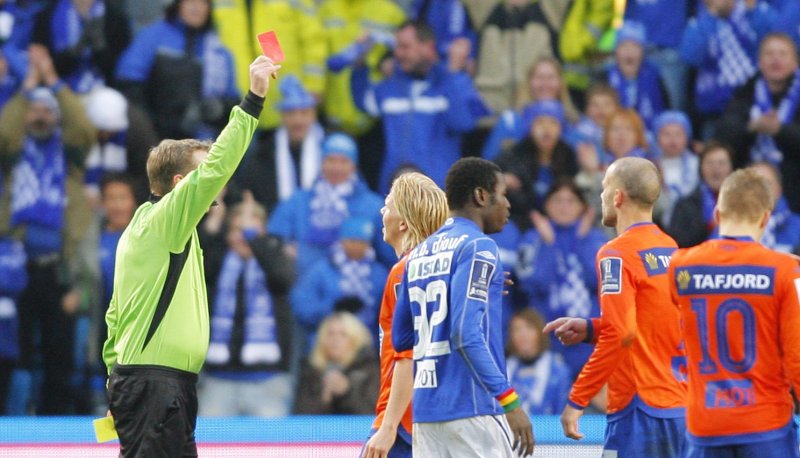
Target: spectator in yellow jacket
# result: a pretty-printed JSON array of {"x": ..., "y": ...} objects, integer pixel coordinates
[
  {"x": 299, "y": 31},
  {"x": 345, "y": 22}
]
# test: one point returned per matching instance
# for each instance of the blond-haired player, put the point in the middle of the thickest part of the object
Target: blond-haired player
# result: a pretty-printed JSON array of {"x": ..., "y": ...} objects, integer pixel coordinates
[{"x": 414, "y": 209}]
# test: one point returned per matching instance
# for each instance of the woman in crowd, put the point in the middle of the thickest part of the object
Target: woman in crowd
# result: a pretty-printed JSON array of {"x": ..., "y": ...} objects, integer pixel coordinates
[{"x": 341, "y": 375}]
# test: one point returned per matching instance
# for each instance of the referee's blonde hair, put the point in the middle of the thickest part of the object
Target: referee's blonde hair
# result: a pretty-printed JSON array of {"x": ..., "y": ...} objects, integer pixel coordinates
[{"x": 421, "y": 204}]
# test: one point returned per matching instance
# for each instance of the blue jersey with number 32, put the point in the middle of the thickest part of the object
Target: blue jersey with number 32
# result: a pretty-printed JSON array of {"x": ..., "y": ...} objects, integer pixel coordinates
[{"x": 449, "y": 310}]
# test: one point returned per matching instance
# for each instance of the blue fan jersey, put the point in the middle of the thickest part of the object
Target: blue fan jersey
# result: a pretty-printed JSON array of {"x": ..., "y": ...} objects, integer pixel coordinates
[{"x": 449, "y": 309}]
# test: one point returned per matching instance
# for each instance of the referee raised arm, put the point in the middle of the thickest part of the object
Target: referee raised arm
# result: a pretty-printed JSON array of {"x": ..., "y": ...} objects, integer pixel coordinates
[{"x": 158, "y": 328}]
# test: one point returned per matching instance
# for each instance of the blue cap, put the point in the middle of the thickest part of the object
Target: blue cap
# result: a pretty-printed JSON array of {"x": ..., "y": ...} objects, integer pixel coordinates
[
  {"x": 294, "y": 95},
  {"x": 340, "y": 144},
  {"x": 357, "y": 228},
  {"x": 672, "y": 117},
  {"x": 549, "y": 108},
  {"x": 632, "y": 31}
]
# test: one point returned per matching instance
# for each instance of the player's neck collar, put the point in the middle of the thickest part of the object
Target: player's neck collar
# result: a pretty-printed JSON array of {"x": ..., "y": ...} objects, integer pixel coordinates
[
  {"x": 740, "y": 238},
  {"x": 639, "y": 224}
]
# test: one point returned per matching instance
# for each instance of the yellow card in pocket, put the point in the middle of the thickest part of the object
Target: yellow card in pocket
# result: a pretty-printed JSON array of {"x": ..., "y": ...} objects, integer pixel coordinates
[{"x": 104, "y": 429}]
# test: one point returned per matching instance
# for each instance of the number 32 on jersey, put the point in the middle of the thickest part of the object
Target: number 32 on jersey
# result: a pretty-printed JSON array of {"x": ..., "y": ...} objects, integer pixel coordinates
[{"x": 433, "y": 339}]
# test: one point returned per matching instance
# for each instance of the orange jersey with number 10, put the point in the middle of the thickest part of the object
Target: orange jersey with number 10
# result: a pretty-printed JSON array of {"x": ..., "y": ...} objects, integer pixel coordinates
[
  {"x": 388, "y": 354},
  {"x": 638, "y": 349},
  {"x": 741, "y": 324}
]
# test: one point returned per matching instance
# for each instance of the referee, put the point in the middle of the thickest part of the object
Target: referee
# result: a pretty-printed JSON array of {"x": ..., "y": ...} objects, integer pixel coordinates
[{"x": 158, "y": 328}]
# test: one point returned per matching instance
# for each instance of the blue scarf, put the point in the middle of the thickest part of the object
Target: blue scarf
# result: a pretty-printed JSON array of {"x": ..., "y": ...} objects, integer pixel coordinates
[
  {"x": 216, "y": 67},
  {"x": 328, "y": 210},
  {"x": 66, "y": 29},
  {"x": 108, "y": 256},
  {"x": 541, "y": 385},
  {"x": 608, "y": 158},
  {"x": 642, "y": 94},
  {"x": 569, "y": 295},
  {"x": 260, "y": 335},
  {"x": 38, "y": 194},
  {"x": 15, "y": 278},
  {"x": 709, "y": 202},
  {"x": 765, "y": 148},
  {"x": 356, "y": 279},
  {"x": 780, "y": 215}
]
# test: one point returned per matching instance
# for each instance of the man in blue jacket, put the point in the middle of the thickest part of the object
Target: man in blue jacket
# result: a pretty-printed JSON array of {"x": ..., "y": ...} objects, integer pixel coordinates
[{"x": 426, "y": 105}]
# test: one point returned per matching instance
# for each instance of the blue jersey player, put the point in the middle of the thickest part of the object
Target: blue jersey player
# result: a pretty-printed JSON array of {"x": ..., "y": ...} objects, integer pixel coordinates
[{"x": 449, "y": 310}]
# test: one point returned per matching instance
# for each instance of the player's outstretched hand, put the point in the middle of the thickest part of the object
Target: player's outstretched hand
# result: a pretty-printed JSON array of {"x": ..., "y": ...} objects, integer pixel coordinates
[
  {"x": 569, "y": 422},
  {"x": 522, "y": 429},
  {"x": 379, "y": 445},
  {"x": 569, "y": 331},
  {"x": 261, "y": 70}
]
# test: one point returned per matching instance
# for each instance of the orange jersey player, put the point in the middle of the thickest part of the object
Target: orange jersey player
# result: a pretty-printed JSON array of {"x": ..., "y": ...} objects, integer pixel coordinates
[
  {"x": 638, "y": 350},
  {"x": 414, "y": 209},
  {"x": 741, "y": 324}
]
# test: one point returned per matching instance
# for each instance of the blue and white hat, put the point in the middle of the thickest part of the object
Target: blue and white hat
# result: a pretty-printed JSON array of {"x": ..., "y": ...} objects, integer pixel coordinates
[
  {"x": 672, "y": 117},
  {"x": 357, "y": 228},
  {"x": 632, "y": 31},
  {"x": 294, "y": 95},
  {"x": 341, "y": 144}
]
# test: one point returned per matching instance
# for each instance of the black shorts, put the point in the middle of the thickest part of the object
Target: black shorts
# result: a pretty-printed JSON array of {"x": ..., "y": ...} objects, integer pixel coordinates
[{"x": 154, "y": 410}]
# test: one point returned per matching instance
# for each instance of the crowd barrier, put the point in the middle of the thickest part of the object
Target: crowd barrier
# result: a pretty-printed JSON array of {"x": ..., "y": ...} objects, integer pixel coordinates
[{"x": 287, "y": 437}]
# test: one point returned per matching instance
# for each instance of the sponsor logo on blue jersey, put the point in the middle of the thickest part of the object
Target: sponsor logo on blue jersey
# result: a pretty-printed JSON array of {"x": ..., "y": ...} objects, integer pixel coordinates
[
  {"x": 656, "y": 260},
  {"x": 429, "y": 266},
  {"x": 741, "y": 279},
  {"x": 610, "y": 275}
]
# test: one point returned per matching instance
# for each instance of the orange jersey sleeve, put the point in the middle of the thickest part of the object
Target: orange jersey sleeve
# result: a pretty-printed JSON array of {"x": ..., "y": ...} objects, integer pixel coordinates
[
  {"x": 638, "y": 343},
  {"x": 388, "y": 353},
  {"x": 741, "y": 324}
]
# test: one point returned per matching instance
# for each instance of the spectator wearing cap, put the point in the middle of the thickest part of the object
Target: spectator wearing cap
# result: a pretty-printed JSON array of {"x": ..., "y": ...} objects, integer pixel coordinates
[
  {"x": 537, "y": 161},
  {"x": 664, "y": 21},
  {"x": 310, "y": 219},
  {"x": 426, "y": 105},
  {"x": 349, "y": 279},
  {"x": 544, "y": 81},
  {"x": 762, "y": 121},
  {"x": 635, "y": 79},
  {"x": 290, "y": 160},
  {"x": 107, "y": 109},
  {"x": 721, "y": 43},
  {"x": 677, "y": 162},
  {"x": 45, "y": 136}
]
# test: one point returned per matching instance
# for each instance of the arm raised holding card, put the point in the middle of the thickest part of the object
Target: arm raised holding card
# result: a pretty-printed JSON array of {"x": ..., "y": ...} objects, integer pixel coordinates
[{"x": 160, "y": 345}]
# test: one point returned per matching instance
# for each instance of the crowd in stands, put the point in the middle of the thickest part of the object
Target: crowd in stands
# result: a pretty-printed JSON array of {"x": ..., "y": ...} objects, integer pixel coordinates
[{"x": 553, "y": 91}]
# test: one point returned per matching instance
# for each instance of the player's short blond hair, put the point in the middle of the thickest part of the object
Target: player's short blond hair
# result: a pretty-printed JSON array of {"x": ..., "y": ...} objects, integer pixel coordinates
[
  {"x": 744, "y": 196},
  {"x": 421, "y": 204}
]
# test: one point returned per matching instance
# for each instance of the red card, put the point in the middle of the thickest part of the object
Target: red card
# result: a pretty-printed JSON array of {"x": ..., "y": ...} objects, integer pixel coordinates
[{"x": 271, "y": 47}]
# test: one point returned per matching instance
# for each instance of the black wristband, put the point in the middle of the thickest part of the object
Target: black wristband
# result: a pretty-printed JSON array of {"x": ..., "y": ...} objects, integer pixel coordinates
[{"x": 252, "y": 104}]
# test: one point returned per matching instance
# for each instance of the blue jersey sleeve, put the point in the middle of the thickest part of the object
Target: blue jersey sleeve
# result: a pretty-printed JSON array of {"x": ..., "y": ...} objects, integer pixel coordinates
[
  {"x": 471, "y": 292},
  {"x": 402, "y": 321}
]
